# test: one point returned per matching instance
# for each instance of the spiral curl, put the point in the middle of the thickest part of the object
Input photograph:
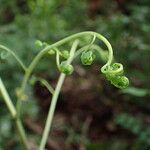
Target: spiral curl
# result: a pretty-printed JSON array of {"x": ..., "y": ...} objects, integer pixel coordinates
[{"x": 114, "y": 73}]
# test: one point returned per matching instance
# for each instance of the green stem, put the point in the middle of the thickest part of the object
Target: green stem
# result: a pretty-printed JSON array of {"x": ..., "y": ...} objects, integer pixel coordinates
[
  {"x": 7, "y": 99},
  {"x": 57, "y": 60},
  {"x": 92, "y": 47},
  {"x": 45, "y": 50},
  {"x": 51, "y": 111},
  {"x": 46, "y": 84},
  {"x": 14, "y": 55},
  {"x": 54, "y": 100},
  {"x": 13, "y": 113},
  {"x": 35, "y": 61},
  {"x": 21, "y": 133}
]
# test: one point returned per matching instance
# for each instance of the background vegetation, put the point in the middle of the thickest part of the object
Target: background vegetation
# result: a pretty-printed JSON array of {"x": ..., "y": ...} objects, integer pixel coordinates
[{"x": 91, "y": 113}]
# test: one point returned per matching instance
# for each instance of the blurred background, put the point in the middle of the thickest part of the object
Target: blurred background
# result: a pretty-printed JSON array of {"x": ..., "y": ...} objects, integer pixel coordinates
[{"x": 91, "y": 114}]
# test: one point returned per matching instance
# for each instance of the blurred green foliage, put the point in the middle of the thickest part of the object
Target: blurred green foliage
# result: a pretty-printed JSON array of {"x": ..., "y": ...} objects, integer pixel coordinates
[
  {"x": 127, "y": 28},
  {"x": 137, "y": 127}
]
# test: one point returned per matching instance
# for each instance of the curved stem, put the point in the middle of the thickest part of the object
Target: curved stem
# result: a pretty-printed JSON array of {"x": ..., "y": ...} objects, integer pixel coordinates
[
  {"x": 93, "y": 47},
  {"x": 45, "y": 50},
  {"x": 14, "y": 55},
  {"x": 13, "y": 113},
  {"x": 102, "y": 53},
  {"x": 46, "y": 84},
  {"x": 54, "y": 100},
  {"x": 110, "y": 55}
]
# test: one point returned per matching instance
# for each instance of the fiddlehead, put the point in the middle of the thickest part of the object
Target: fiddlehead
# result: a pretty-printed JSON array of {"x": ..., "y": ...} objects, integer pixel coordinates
[
  {"x": 114, "y": 73},
  {"x": 87, "y": 57},
  {"x": 66, "y": 68}
]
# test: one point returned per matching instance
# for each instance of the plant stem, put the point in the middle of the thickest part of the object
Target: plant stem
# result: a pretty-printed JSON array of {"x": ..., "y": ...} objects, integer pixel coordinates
[
  {"x": 45, "y": 50},
  {"x": 35, "y": 61},
  {"x": 92, "y": 47},
  {"x": 46, "y": 84},
  {"x": 14, "y": 55},
  {"x": 7, "y": 99},
  {"x": 54, "y": 99},
  {"x": 51, "y": 111},
  {"x": 21, "y": 133},
  {"x": 13, "y": 113}
]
